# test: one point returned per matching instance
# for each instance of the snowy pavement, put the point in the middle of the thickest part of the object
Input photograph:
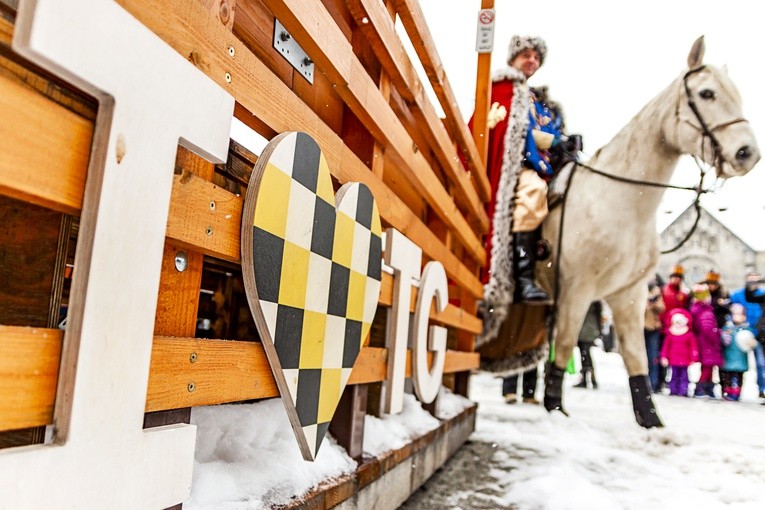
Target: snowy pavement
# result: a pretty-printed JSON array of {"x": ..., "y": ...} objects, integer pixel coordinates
[{"x": 710, "y": 455}]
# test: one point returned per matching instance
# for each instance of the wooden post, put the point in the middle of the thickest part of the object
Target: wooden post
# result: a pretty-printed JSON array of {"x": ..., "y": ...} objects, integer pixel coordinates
[
  {"x": 347, "y": 425},
  {"x": 482, "y": 97},
  {"x": 32, "y": 261}
]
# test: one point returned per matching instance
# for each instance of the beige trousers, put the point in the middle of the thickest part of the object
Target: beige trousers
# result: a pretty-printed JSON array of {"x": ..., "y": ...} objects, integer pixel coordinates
[{"x": 530, "y": 201}]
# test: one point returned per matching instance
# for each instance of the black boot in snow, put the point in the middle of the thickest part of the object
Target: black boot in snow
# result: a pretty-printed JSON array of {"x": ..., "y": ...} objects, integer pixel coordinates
[
  {"x": 554, "y": 388},
  {"x": 642, "y": 403},
  {"x": 524, "y": 258},
  {"x": 593, "y": 381}
]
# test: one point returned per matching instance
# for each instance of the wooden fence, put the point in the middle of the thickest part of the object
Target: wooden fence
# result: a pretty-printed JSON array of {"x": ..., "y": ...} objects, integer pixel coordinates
[{"x": 367, "y": 109}]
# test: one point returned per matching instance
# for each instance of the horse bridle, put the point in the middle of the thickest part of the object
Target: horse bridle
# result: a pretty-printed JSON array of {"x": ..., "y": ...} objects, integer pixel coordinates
[
  {"x": 719, "y": 159},
  {"x": 706, "y": 132}
]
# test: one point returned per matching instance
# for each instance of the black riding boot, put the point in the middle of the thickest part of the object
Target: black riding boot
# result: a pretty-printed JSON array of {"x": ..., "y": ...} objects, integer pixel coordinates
[
  {"x": 525, "y": 255},
  {"x": 554, "y": 388},
  {"x": 642, "y": 403}
]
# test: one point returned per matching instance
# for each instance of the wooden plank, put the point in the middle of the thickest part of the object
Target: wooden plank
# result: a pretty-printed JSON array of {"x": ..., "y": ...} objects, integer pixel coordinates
[
  {"x": 416, "y": 27},
  {"x": 29, "y": 359},
  {"x": 204, "y": 217},
  {"x": 187, "y": 28},
  {"x": 223, "y": 10},
  {"x": 6, "y": 31},
  {"x": 347, "y": 425},
  {"x": 178, "y": 296},
  {"x": 185, "y": 372},
  {"x": 452, "y": 316},
  {"x": 381, "y": 32},
  {"x": 34, "y": 133},
  {"x": 29, "y": 237},
  {"x": 188, "y": 372},
  {"x": 188, "y": 227},
  {"x": 482, "y": 97},
  {"x": 54, "y": 186},
  {"x": 311, "y": 25}
]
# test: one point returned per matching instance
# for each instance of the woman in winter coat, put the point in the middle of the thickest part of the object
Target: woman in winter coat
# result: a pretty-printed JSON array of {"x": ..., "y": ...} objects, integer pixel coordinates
[
  {"x": 679, "y": 350},
  {"x": 708, "y": 338}
]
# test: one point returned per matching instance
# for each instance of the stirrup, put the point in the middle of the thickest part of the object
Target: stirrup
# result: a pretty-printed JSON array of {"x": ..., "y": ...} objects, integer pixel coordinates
[{"x": 532, "y": 295}]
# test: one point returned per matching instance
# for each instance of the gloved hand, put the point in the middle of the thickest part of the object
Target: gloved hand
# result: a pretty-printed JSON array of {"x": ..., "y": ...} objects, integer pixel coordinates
[
  {"x": 575, "y": 143},
  {"x": 566, "y": 149}
]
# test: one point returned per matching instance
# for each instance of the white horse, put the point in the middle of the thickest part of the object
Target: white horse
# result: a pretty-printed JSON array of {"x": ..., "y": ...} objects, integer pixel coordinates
[{"x": 609, "y": 241}]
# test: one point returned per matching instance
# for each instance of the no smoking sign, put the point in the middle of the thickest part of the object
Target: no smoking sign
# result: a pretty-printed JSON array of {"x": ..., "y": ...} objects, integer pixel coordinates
[{"x": 484, "y": 39}]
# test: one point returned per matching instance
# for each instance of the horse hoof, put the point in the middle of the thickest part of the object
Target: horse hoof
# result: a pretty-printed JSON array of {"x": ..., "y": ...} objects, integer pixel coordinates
[
  {"x": 642, "y": 403},
  {"x": 650, "y": 424},
  {"x": 556, "y": 407}
]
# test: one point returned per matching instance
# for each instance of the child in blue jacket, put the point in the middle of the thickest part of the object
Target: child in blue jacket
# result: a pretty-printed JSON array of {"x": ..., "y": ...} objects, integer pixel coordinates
[{"x": 737, "y": 339}]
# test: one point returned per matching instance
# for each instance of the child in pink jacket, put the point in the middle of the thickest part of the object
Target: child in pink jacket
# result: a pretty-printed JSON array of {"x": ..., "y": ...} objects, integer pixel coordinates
[{"x": 679, "y": 350}]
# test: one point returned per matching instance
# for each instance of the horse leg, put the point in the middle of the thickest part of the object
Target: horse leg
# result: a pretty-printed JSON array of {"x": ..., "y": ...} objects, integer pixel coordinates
[
  {"x": 570, "y": 317},
  {"x": 629, "y": 317}
]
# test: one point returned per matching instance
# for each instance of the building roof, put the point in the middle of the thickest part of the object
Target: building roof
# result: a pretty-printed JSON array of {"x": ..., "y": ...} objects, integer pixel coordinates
[{"x": 739, "y": 226}]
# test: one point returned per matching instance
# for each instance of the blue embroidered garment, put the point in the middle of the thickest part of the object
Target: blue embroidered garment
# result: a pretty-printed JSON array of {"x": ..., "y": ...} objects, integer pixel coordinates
[{"x": 548, "y": 126}]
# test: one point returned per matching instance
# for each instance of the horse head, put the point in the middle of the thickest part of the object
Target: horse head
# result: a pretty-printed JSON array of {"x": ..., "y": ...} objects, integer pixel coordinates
[{"x": 708, "y": 122}]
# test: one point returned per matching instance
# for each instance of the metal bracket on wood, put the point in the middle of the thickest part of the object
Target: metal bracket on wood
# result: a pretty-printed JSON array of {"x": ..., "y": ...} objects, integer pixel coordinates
[{"x": 291, "y": 50}]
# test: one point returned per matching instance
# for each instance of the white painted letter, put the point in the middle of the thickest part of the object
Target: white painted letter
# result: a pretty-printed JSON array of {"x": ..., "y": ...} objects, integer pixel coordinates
[
  {"x": 150, "y": 99},
  {"x": 432, "y": 285},
  {"x": 405, "y": 258}
]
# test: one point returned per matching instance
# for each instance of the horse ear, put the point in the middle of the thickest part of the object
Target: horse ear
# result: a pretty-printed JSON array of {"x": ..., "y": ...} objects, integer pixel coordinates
[{"x": 697, "y": 53}]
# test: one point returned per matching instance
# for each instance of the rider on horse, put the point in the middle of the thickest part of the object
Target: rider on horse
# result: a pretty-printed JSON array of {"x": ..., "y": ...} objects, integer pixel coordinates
[{"x": 526, "y": 143}]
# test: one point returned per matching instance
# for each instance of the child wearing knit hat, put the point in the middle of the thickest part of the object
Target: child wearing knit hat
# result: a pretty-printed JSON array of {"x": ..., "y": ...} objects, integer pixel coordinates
[
  {"x": 708, "y": 337},
  {"x": 679, "y": 350}
]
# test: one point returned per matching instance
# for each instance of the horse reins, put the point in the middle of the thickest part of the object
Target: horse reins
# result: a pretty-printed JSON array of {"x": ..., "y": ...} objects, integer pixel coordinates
[
  {"x": 719, "y": 159},
  {"x": 706, "y": 132}
]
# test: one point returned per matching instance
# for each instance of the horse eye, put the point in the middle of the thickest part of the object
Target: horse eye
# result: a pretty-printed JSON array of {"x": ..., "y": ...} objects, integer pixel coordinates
[{"x": 707, "y": 94}]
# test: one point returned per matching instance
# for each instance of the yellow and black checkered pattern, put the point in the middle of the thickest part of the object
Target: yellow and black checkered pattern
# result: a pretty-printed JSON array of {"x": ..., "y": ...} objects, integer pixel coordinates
[{"x": 317, "y": 273}]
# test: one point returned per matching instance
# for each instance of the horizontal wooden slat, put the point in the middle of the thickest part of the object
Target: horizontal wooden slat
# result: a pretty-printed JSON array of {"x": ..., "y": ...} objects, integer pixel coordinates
[
  {"x": 221, "y": 371},
  {"x": 375, "y": 22},
  {"x": 416, "y": 27},
  {"x": 45, "y": 149},
  {"x": 189, "y": 29},
  {"x": 453, "y": 316},
  {"x": 6, "y": 31},
  {"x": 205, "y": 217},
  {"x": 29, "y": 359},
  {"x": 185, "y": 372},
  {"x": 312, "y": 26},
  {"x": 214, "y": 230}
]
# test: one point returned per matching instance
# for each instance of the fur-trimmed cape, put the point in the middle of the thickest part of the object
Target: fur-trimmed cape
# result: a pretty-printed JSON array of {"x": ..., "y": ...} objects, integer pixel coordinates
[{"x": 498, "y": 292}]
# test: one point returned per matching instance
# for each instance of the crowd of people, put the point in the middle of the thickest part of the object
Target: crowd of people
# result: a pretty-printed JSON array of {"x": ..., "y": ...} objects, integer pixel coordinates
[{"x": 703, "y": 323}]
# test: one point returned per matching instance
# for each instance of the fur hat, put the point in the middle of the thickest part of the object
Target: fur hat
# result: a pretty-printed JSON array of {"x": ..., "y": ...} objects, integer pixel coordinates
[
  {"x": 518, "y": 43},
  {"x": 712, "y": 277},
  {"x": 678, "y": 270}
]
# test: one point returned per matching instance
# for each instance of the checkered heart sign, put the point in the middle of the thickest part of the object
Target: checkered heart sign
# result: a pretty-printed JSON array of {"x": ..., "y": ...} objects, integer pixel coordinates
[{"x": 311, "y": 264}]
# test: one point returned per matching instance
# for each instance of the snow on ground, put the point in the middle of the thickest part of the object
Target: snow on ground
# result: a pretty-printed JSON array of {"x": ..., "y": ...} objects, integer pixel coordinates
[
  {"x": 247, "y": 456},
  {"x": 710, "y": 455}
]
